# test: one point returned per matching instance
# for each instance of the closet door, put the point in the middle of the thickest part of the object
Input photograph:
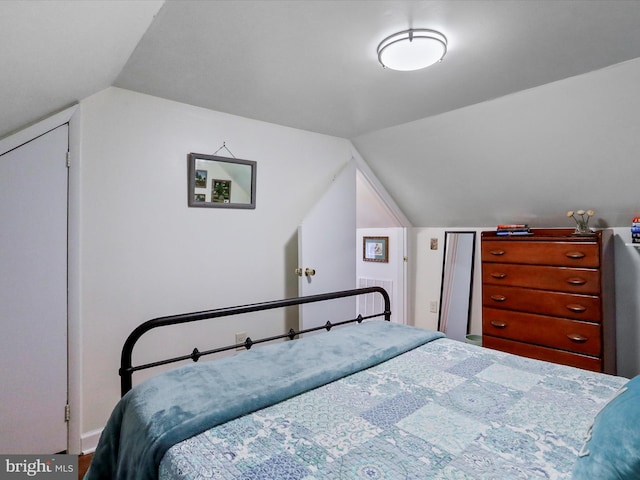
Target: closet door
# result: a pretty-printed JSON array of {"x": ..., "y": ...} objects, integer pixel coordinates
[
  {"x": 33, "y": 295},
  {"x": 327, "y": 247}
]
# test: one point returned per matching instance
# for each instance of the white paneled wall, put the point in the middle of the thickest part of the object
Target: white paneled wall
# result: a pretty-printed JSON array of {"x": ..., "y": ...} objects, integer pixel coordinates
[{"x": 373, "y": 302}]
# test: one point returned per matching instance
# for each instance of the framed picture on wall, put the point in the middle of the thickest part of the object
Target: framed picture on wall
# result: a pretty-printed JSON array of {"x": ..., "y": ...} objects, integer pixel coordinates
[
  {"x": 220, "y": 191},
  {"x": 375, "y": 249},
  {"x": 201, "y": 179},
  {"x": 213, "y": 175}
]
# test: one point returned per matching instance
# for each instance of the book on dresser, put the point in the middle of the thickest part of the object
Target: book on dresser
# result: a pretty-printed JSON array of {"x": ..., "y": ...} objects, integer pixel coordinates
[{"x": 550, "y": 296}]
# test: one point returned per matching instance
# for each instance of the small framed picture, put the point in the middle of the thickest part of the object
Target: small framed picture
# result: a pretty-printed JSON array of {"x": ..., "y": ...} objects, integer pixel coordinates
[
  {"x": 201, "y": 179},
  {"x": 375, "y": 249},
  {"x": 220, "y": 191}
]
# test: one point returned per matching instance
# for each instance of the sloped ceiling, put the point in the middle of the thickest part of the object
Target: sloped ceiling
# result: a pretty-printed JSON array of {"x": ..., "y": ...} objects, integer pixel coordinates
[
  {"x": 312, "y": 65},
  {"x": 55, "y": 53},
  {"x": 524, "y": 158}
]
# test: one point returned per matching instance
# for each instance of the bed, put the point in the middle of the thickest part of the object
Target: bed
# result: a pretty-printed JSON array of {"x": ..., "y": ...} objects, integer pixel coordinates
[{"x": 370, "y": 399}]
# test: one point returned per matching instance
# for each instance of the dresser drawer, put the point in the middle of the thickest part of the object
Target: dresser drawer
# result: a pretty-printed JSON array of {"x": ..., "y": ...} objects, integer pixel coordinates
[
  {"x": 570, "y": 254},
  {"x": 544, "y": 353},
  {"x": 564, "y": 279},
  {"x": 557, "y": 304},
  {"x": 570, "y": 335}
]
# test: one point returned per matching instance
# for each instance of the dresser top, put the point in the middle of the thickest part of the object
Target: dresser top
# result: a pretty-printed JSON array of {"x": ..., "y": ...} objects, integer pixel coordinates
[{"x": 549, "y": 234}]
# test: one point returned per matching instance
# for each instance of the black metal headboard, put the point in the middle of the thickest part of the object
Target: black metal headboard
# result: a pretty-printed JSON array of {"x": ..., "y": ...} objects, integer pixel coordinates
[{"x": 126, "y": 369}]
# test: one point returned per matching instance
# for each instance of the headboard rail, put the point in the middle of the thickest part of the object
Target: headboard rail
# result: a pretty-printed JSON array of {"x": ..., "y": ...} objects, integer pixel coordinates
[{"x": 127, "y": 369}]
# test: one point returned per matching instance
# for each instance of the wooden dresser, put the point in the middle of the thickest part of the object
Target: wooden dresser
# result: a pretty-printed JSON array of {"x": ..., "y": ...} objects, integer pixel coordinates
[{"x": 550, "y": 296}]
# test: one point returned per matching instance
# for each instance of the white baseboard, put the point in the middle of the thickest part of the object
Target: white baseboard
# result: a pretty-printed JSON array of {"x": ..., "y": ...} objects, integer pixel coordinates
[{"x": 89, "y": 441}]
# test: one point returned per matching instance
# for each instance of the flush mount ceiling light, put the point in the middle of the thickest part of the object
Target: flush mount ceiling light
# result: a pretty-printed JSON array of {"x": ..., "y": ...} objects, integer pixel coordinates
[{"x": 412, "y": 49}]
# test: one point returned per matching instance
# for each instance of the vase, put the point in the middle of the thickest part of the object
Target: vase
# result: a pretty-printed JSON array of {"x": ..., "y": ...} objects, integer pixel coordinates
[{"x": 582, "y": 228}]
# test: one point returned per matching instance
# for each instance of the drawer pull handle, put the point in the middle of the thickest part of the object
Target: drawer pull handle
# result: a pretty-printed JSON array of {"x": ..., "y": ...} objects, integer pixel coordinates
[
  {"x": 575, "y": 255},
  {"x": 498, "y": 298},
  {"x": 497, "y": 324},
  {"x": 574, "y": 307},
  {"x": 498, "y": 275},
  {"x": 576, "y": 337},
  {"x": 497, "y": 252},
  {"x": 576, "y": 281}
]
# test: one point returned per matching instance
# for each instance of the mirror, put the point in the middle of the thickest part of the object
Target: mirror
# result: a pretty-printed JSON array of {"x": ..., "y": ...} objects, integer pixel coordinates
[
  {"x": 221, "y": 182},
  {"x": 457, "y": 284}
]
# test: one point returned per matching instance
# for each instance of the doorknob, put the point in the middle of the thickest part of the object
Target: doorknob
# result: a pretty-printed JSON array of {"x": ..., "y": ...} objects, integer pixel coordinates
[{"x": 309, "y": 272}]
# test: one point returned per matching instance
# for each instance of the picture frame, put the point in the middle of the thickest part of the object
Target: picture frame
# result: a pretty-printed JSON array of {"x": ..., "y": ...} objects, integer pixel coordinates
[
  {"x": 214, "y": 176},
  {"x": 220, "y": 191},
  {"x": 201, "y": 179},
  {"x": 375, "y": 249}
]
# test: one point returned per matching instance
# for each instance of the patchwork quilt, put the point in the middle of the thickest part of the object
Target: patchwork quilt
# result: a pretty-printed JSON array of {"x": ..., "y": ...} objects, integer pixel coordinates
[
  {"x": 186, "y": 401},
  {"x": 444, "y": 410}
]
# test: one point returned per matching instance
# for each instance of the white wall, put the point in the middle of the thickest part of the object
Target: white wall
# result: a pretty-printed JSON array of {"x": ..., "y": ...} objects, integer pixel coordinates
[
  {"x": 371, "y": 210},
  {"x": 426, "y": 278},
  {"x": 144, "y": 253},
  {"x": 627, "y": 268}
]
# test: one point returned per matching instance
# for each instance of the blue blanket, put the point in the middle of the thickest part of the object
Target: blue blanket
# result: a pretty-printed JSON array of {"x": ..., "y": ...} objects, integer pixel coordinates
[{"x": 184, "y": 402}]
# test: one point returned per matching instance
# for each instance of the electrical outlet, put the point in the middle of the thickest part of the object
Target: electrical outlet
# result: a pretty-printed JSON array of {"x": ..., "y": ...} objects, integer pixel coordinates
[
  {"x": 240, "y": 338},
  {"x": 434, "y": 244},
  {"x": 433, "y": 306}
]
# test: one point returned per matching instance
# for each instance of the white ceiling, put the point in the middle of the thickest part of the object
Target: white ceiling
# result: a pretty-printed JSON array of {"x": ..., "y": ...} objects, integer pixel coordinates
[
  {"x": 313, "y": 64},
  {"x": 308, "y": 64},
  {"x": 55, "y": 53}
]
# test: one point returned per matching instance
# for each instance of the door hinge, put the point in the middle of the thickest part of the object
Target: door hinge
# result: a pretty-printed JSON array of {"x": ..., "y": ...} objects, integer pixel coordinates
[
  {"x": 67, "y": 413},
  {"x": 68, "y": 159}
]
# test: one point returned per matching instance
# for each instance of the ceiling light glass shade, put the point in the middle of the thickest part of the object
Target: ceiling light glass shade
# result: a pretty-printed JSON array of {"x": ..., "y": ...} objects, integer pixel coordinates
[{"x": 412, "y": 49}]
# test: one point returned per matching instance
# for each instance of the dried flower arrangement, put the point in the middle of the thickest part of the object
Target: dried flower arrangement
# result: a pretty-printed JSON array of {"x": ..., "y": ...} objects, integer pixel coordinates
[{"x": 582, "y": 220}]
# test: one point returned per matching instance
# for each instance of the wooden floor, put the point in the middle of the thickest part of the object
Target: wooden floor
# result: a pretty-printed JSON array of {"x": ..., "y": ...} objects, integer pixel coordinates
[{"x": 83, "y": 465}]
